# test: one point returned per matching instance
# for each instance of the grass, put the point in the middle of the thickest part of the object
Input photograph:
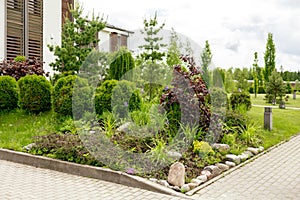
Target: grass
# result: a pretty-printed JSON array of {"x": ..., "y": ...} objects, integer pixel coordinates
[
  {"x": 259, "y": 100},
  {"x": 285, "y": 124},
  {"x": 17, "y": 128}
]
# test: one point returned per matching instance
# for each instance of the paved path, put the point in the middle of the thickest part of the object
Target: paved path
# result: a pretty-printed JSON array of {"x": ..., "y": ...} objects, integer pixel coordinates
[
  {"x": 28, "y": 183},
  {"x": 274, "y": 175}
]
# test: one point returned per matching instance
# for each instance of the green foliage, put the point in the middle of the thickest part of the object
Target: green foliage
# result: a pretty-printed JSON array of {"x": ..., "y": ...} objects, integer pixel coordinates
[
  {"x": 67, "y": 147},
  {"x": 288, "y": 88},
  {"x": 103, "y": 96},
  {"x": 9, "y": 96},
  {"x": 206, "y": 57},
  {"x": 173, "y": 55},
  {"x": 122, "y": 62},
  {"x": 275, "y": 87},
  {"x": 229, "y": 82},
  {"x": 78, "y": 40},
  {"x": 240, "y": 99},
  {"x": 125, "y": 99},
  {"x": 63, "y": 96},
  {"x": 108, "y": 123},
  {"x": 35, "y": 93},
  {"x": 261, "y": 90},
  {"x": 269, "y": 57},
  {"x": 241, "y": 76},
  {"x": 202, "y": 148},
  {"x": 20, "y": 59},
  {"x": 153, "y": 41}
]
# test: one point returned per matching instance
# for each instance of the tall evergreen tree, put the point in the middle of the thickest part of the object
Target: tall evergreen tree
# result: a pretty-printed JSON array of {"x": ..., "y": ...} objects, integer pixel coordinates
[
  {"x": 78, "y": 40},
  {"x": 206, "y": 57},
  {"x": 173, "y": 55},
  {"x": 153, "y": 41},
  {"x": 269, "y": 57},
  {"x": 255, "y": 74}
]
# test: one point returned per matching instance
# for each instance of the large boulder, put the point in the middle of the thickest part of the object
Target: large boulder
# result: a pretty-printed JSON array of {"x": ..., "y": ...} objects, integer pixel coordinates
[{"x": 177, "y": 174}]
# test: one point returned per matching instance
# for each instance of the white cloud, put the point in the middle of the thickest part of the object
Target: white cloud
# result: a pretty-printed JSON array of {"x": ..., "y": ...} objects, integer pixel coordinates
[{"x": 235, "y": 29}]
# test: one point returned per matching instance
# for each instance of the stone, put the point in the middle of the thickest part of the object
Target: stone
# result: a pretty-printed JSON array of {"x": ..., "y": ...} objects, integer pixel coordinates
[
  {"x": 177, "y": 174},
  {"x": 233, "y": 158},
  {"x": 206, "y": 173},
  {"x": 29, "y": 146},
  {"x": 221, "y": 147},
  {"x": 222, "y": 167},
  {"x": 124, "y": 127},
  {"x": 253, "y": 150},
  {"x": 176, "y": 188},
  {"x": 248, "y": 153},
  {"x": 202, "y": 178},
  {"x": 185, "y": 188},
  {"x": 214, "y": 170},
  {"x": 196, "y": 181},
  {"x": 261, "y": 149},
  {"x": 92, "y": 132},
  {"x": 163, "y": 183},
  {"x": 192, "y": 185},
  {"x": 230, "y": 164},
  {"x": 153, "y": 180},
  {"x": 243, "y": 157},
  {"x": 174, "y": 154}
]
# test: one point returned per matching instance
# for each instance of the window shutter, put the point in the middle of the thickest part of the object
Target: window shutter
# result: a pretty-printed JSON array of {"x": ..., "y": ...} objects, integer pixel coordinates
[
  {"x": 15, "y": 28},
  {"x": 35, "y": 29}
]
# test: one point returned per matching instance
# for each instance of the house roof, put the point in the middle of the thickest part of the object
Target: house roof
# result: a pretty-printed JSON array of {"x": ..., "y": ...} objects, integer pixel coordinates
[{"x": 118, "y": 28}]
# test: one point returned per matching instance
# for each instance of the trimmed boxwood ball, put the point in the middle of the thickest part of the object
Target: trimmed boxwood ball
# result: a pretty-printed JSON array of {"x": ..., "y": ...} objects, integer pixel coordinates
[
  {"x": 63, "y": 94},
  {"x": 8, "y": 93},
  {"x": 35, "y": 93}
]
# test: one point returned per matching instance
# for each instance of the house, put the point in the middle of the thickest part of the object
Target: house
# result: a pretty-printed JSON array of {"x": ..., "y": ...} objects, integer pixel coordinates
[{"x": 28, "y": 26}]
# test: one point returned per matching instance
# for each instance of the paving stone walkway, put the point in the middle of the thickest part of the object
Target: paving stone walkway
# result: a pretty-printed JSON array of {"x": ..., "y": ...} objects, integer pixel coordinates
[{"x": 274, "y": 175}]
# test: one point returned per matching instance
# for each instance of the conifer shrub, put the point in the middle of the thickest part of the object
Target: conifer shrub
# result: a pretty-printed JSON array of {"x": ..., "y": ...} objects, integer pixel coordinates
[
  {"x": 35, "y": 93},
  {"x": 9, "y": 96}
]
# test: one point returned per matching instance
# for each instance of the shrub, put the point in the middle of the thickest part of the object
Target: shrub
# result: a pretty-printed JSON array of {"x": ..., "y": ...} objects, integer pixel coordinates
[
  {"x": 103, "y": 96},
  {"x": 251, "y": 90},
  {"x": 240, "y": 99},
  {"x": 125, "y": 98},
  {"x": 122, "y": 62},
  {"x": 20, "y": 59},
  {"x": 64, "y": 97},
  {"x": 66, "y": 147},
  {"x": 8, "y": 93},
  {"x": 202, "y": 148},
  {"x": 19, "y": 68},
  {"x": 35, "y": 93},
  {"x": 261, "y": 90},
  {"x": 235, "y": 119}
]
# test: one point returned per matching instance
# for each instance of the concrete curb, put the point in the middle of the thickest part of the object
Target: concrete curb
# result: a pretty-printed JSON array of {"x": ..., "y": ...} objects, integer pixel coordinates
[
  {"x": 85, "y": 171},
  {"x": 192, "y": 192}
]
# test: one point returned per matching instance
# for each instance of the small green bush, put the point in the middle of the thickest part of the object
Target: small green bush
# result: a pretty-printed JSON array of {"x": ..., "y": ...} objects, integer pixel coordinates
[
  {"x": 103, "y": 96},
  {"x": 8, "y": 93},
  {"x": 201, "y": 147},
  {"x": 251, "y": 90},
  {"x": 261, "y": 90},
  {"x": 35, "y": 93},
  {"x": 125, "y": 98},
  {"x": 20, "y": 59},
  {"x": 63, "y": 97},
  {"x": 235, "y": 119},
  {"x": 240, "y": 99}
]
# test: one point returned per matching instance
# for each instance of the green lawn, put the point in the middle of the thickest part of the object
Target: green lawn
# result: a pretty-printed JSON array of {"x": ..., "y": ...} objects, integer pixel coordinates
[
  {"x": 285, "y": 124},
  {"x": 259, "y": 100},
  {"x": 18, "y": 129}
]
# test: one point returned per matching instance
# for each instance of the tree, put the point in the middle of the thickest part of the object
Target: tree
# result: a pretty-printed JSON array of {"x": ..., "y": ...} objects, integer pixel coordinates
[
  {"x": 78, "y": 40},
  {"x": 206, "y": 57},
  {"x": 121, "y": 63},
  {"x": 152, "y": 69},
  {"x": 173, "y": 55},
  {"x": 153, "y": 45},
  {"x": 255, "y": 74},
  {"x": 241, "y": 78},
  {"x": 275, "y": 87},
  {"x": 269, "y": 57},
  {"x": 229, "y": 82}
]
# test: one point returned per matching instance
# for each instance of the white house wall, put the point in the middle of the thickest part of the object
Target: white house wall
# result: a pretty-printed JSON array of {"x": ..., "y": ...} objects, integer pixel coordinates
[
  {"x": 104, "y": 41},
  {"x": 2, "y": 30},
  {"x": 52, "y": 30}
]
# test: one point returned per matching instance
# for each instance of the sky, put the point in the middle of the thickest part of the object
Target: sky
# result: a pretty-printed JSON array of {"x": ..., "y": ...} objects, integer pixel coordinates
[{"x": 235, "y": 29}]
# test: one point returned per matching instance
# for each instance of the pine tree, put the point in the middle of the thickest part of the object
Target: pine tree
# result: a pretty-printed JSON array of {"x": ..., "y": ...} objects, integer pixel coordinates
[
  {"x": 255, "y": 75},
  {"x": 206, "y": 57},
  {"x": 78, "y": 40},
  {"x": 269, "y": 57},
  {"x": 173, "y": 55},
  {"x": 275, "y": 87}
]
